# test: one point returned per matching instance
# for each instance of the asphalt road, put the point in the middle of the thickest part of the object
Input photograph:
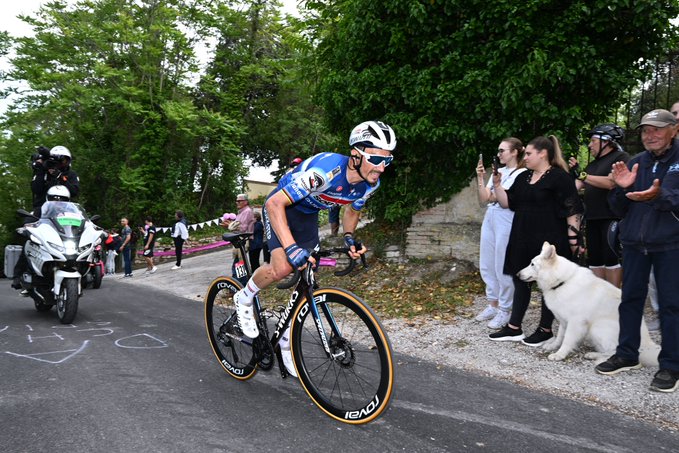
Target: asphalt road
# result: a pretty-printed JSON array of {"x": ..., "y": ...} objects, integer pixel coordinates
[{"x": 135, "y": 373}]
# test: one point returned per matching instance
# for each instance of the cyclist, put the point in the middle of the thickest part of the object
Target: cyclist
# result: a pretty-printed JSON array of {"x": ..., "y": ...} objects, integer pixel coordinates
[
  {"x": 604, "y": 146},
  {"x": 290, "y": 212}
]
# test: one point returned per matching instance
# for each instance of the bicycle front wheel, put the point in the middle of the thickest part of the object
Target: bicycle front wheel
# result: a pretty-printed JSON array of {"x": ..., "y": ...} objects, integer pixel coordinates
[
  {"x": 354, "y": 383},
  {"x": 233, "y": 349}
]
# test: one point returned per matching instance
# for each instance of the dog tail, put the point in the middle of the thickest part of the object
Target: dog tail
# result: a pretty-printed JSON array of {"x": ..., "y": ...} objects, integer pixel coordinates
[{"x": 648, "y": 350}]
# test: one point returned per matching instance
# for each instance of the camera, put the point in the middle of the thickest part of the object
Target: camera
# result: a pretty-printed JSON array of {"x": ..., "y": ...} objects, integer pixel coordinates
[{"x": 43, "y": 153}]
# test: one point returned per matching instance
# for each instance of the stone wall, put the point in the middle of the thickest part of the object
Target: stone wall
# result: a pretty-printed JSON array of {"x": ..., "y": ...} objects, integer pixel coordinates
[{"x": 448, "y": 230}]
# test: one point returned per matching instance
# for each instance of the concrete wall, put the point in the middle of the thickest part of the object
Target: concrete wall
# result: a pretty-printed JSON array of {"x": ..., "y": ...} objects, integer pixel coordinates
[{"x": 448, "y": 230}]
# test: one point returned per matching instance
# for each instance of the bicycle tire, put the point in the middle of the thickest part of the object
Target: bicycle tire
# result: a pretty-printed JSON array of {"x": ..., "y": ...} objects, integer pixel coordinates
[
  {"x": 356, "y": 385},
  {"x": 233, "y": 350}
]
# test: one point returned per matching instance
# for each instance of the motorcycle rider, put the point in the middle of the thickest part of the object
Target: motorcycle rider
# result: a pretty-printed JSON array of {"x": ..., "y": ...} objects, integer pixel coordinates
[{"x": 50, "y": 168}]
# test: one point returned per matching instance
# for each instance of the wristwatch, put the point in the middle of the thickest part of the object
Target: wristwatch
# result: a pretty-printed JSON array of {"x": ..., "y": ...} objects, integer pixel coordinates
[{"x": 582, "y": 176}]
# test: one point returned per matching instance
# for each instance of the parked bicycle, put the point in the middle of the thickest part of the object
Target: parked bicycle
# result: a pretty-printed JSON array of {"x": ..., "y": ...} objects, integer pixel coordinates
[{"x": 340, "y": 350}]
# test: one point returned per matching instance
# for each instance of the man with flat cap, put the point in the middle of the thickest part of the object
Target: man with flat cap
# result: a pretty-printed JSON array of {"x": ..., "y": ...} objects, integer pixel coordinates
[{"x": 646, "y": 197}]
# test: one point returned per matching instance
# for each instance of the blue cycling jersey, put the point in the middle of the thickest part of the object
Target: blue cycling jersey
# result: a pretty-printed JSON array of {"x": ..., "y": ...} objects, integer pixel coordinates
[{"x": 320, "y": 182}]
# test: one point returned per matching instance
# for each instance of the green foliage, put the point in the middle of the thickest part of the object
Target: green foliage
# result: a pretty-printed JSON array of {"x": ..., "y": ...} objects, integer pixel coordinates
[{"x": 455, "y": 77}]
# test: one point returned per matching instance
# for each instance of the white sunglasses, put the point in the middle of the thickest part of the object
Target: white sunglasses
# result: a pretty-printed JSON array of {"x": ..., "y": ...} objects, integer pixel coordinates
[{"x": 375, "y": 159}]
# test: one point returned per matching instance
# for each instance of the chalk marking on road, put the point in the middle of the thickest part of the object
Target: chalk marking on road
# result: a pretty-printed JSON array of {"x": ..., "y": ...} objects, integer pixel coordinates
[
  {"x": 108, "y": 331},
  {"x": 73, "y": 353},
  {"x": 162, "y": 344},
  {"x": 70, "y": 326},
  {"x": 54, "y": 334},
  {"x": 6, "y": 327},
  {"x": 580, "y": 442},
  {"x": 30, "y": 329},
  {"x": 99, "y": 323}
]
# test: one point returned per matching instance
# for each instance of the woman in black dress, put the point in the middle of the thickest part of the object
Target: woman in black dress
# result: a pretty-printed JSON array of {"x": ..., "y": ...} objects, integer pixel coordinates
[{"x": 545, "y": 202}]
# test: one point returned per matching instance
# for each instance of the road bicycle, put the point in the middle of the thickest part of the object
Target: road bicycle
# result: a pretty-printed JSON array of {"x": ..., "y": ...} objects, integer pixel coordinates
[{"x": 340, "y": 351}]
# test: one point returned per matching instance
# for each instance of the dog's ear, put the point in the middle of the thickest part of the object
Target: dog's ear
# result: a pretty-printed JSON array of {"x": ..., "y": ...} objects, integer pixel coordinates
[
  {"x": 548, "y": 251},
  {"x": 545, "y": 249}
]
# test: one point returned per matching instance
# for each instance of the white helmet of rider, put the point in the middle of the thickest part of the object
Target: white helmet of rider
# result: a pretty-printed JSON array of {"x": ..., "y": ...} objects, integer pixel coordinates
[
  {"x": 59, "y": 152},
  {"x": 373, "y": 134},
  {"x": 58, "y": 193}
]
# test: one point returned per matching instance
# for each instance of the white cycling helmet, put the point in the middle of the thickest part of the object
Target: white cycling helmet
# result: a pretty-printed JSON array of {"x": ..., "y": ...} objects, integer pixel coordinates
[
  {"x": 373, "y": 134},
  {"x": 58, "y": 193},
  {"x": 59, "y": 152}
]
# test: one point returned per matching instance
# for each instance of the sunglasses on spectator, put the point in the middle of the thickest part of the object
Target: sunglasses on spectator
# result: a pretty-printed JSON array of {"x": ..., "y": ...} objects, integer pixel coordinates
[{"x": 375, "y": 159}]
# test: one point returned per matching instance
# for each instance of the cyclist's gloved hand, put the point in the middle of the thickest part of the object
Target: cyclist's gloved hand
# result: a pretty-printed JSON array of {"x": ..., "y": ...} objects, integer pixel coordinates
[{"x": 297, "y": 256}]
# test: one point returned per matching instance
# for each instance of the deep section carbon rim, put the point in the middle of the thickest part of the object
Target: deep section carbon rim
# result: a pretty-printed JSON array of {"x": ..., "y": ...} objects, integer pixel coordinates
[
  {"x": 353, "y": 384},
  {"x": 233, "y": 349}
]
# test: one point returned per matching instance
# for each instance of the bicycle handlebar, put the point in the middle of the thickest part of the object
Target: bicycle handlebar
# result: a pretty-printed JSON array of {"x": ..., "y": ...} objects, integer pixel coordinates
[{"x": 325, "y": 253}]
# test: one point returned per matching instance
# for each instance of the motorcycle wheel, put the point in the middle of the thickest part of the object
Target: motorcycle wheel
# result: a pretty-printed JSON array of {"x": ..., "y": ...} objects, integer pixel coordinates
[
  {"x": 67, "y": 303},
  {"x": 42, "y": 306},
  {"x": 98, "y": 276}
]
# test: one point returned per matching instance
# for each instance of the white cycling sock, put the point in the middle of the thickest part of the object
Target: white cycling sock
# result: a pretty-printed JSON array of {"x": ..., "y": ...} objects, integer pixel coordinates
[{"x": 250, "y": 290}]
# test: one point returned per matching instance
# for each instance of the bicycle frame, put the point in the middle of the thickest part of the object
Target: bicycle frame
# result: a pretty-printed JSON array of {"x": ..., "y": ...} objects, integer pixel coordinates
[{"x": 305, "y": 286}]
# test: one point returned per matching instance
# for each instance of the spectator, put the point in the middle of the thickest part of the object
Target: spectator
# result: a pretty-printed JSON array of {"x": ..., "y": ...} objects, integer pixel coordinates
[
  {"x": 294, "y": 163},
  {"x": 113, "y": 243},
  {"x": 179, "y": 234},
  {"x": 497, "y": 223},
  {"x": 545, "y": 204},
  {"x": 256, "y": 242},
  {"x": 149, "y": 243},
  {"x": 246, "y": 221},
  {"x": 604, "y": 146},
  {"x": 125, "y": 246},
  {"x": 647, "y": 199}
]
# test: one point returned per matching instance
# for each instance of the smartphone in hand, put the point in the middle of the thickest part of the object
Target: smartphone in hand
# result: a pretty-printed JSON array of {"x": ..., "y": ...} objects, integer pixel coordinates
[{"x": 496, "y": 165}]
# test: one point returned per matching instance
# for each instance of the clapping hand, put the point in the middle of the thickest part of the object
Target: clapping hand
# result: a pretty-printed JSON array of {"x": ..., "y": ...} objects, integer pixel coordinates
[
  {"x": 646, "y": 195},
  {"x": 623, "y": 176}
]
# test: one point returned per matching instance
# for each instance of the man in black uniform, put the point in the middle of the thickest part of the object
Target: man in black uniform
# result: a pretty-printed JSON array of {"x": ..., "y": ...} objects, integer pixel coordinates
[
  {"x": 51, "y": 167},
  {"x": 604, "y": 146}
]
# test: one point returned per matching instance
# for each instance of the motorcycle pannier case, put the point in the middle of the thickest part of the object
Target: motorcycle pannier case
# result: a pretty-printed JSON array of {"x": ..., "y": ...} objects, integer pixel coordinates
[{"x": 12, "y": 253}]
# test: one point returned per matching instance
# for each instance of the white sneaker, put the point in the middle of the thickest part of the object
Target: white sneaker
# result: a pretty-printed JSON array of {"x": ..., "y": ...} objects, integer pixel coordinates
[
  {"x": 246, "y": 316},
  {"x": 488, "y": 313},
  {"x": 287, "y": 361},
  {"x": 500, "y": 319},
  {"x": 153, "y": 270},
  {"x": 175, "y": 267}
]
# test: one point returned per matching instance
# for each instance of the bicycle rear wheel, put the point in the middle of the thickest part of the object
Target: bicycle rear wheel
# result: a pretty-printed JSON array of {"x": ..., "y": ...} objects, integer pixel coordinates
[
  {"x": 354, "y": 384},
  {"x": 233, "y": 349}
]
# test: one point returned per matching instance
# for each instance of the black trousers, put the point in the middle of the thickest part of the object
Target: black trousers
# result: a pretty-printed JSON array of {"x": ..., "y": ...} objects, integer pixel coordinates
[{"x": 178, "y": 247}]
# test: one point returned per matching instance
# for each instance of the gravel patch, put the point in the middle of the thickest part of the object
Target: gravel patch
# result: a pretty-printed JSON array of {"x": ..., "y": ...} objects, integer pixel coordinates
[{"x": 463, "y": 343}]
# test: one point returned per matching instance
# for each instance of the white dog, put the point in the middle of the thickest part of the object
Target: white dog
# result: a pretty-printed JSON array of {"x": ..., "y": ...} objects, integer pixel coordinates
[{"x": 585, "y": 305}]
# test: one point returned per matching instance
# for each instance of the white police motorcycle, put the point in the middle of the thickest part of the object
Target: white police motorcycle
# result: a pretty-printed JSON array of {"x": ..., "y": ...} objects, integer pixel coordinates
[{"x": 59, "y": 246}]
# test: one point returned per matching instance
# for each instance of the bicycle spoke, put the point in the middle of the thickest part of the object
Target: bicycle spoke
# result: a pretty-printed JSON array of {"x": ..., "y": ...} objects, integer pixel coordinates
[{"x": 354, "y": 383}]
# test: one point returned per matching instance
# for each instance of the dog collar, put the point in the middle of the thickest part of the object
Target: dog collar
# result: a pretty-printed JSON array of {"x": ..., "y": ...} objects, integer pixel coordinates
[{"x": 558, "y": 286}]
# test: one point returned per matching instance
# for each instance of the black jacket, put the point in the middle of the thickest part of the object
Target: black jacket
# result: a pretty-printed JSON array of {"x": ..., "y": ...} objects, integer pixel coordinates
[
  {"x": 651, "y": 226},
  {"x": 43, "y": 180}
]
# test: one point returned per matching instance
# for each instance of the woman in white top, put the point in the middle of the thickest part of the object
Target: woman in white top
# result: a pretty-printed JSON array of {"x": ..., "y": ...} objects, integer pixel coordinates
[{"x": 497, "y": 223}]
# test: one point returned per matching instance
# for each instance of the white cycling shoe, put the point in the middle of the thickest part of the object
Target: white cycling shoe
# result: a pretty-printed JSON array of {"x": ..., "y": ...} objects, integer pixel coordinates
[
  {"x": 287, "y": 361},
  {"x": 246, "y": 316}
]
